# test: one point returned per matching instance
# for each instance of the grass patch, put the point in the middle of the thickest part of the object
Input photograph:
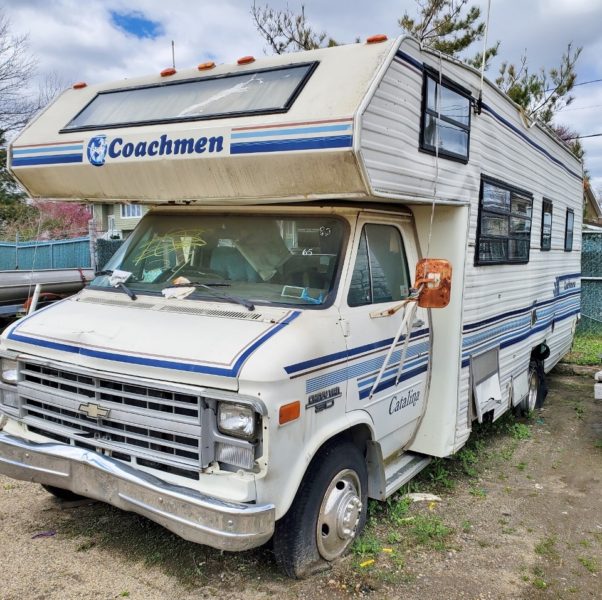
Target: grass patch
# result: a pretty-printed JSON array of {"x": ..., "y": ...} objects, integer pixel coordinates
[
  {"x": 520, "y": 431},
  {"x": 591, "y": 564},
  {"x": 586, "y": 350},
  {"x": 429, "y": 531},
  {"x": 366, "y": 545},
  {"x": 547, "y": 548}
]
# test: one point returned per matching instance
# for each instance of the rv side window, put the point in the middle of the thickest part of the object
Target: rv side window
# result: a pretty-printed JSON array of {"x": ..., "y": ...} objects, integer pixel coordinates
[
  {"x": 381, "y": 269},
  {"x": 546, "y": 225},
  {"x": 504, "y": 228},
  {"x": 445, "y": 119},
  {"x": 568, "y": 230}
]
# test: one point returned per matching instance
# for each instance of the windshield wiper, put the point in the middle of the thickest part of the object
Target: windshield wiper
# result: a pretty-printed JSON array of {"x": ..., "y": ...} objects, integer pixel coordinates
[
  {"x": 209, "y": 285},
  {"x": 119, "y": 285}
]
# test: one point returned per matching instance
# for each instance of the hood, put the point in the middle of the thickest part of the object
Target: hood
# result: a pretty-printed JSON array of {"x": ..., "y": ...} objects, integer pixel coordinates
[{"x": 188, "y": 341}]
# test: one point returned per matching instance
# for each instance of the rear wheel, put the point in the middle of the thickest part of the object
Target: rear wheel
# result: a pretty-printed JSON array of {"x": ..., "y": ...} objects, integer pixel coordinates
[
  {"x": 537, "y": 390},
  {"x": 328, "y": 513}
]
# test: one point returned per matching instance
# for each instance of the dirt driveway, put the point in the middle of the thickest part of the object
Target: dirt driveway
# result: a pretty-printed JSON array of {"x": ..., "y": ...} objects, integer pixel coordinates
[{"x": 520, "y": 517}]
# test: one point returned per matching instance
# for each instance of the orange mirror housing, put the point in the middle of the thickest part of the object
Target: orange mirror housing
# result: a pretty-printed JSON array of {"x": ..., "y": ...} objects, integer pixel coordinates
[{"x": 434, "y": 275}]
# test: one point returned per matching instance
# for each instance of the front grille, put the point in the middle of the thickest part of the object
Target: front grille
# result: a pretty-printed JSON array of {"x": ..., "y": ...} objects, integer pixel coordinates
[{"x": 153, "y": 426}]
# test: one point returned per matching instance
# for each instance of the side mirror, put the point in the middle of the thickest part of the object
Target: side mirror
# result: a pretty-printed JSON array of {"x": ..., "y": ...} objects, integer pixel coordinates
[{"x": 434, "y": 276}]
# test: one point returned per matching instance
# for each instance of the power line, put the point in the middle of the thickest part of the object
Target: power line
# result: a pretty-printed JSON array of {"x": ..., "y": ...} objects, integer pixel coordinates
[
  {"x": 581, "y": 137},
  {"x": 586, "y": 82}
]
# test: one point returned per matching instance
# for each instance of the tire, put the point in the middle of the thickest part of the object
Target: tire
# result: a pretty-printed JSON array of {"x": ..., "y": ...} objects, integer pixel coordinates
[
  {"x": 538, "y": 390},
  {"x": 328, "y": 513},
  {"x": 62, "y": 494}
]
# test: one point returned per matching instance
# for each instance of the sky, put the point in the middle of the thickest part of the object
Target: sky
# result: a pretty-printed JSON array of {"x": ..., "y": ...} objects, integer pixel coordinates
[{"x": 105, "y": 40}]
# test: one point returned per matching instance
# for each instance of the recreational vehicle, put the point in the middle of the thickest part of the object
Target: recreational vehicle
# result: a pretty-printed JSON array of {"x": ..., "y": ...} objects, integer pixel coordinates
[{"x": 352, "y": 255}]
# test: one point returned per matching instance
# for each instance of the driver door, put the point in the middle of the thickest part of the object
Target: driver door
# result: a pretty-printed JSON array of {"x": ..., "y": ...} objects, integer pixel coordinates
[{"x": 383, "y": 257}]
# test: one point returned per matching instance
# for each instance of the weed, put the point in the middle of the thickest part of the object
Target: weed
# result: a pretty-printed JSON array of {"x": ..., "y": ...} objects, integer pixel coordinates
[
  {"x": 439, "y": 474},
  {"x": 573, "y": 590},
  {"x": 598, "y": 444},
  {"x": 502, "y": 476},
  {"x": 507, "y": 452},
  {"x": 538, "y": 571},
  {"x": 366, "y": 544},
  {"x": 478, "y": 492},
  {"x": 394, "y": 537},
  {"x": 469, "y": 457},
  {"x": 591, "y": 564},
  {"x": 547, "y": 548},
  {"x": 539, "y": 583},
  {"x": 525, "y": 578},
  {"x": 586, "y": 349},
  {"x": 521, "y": 466},
  {"x": 428, "y": 530},
  {"x": 508, "y": 530},
  {"x": 585, "y": 543},
  {"x": 125, "y": 594},
  {"x": 397, "y": 509},
  {"x": 8, "y": 486},
  {"x": 520, "y": 431},
  {"x": 466, "y": 526},
  {"x": 579, "y": 410}
]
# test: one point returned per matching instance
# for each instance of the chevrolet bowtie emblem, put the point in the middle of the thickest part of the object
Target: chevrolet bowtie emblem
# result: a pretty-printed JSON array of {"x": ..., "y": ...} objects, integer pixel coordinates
[{"x": 94, "y": 411}]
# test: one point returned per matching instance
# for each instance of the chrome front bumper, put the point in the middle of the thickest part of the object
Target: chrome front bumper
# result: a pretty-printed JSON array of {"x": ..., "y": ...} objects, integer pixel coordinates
[{"x": 188, "y": 513}]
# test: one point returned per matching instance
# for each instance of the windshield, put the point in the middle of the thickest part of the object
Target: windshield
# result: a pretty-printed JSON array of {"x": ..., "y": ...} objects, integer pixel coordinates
[{"x": 273, "y": 259}]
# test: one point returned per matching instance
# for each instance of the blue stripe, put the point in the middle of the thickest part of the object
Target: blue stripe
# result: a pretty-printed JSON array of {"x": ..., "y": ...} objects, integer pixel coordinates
[
  {"x": 519, "y": 311},
  {"x": 47, "y": 160},
  {"x": 318, "y": 143},
  {"x": 293, "y": 131},
  {"x": 383, "y": 385},
  {"x": 322, "y": 360},
  {"x": 409, "y": 59},
  {"x": 47, "y": 149},
  {"x": 511, "y": 341},
  {"x": 152, "y": 362}
]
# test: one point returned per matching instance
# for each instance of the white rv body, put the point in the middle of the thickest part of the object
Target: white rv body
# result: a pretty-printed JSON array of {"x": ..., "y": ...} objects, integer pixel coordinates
[{"x": 349, "y": 146}]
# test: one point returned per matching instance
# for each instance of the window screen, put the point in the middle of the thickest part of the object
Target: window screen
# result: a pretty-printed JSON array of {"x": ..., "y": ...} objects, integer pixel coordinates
[
  {"x": 380, "y": 273},
  {"x": 504, "y": 230},
  {"x": 546, "y": 225},
  {"x": 445, "y": 120},
  {"x": 266, "y": 91},
  {"x": 568, "y": 230}
]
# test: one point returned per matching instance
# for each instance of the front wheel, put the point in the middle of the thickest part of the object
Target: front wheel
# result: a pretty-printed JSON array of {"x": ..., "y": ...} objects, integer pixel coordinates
[{"x": 328, "y": 513}]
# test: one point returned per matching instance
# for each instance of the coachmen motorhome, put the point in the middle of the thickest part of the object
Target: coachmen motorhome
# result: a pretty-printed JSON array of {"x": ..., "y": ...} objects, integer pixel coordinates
[{"x": 258, "y": 359}]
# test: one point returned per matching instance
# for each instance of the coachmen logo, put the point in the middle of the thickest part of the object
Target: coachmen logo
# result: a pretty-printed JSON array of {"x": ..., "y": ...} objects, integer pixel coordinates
[
  {"x": 99, "y": 148},
  {"x": 94, "y": 411}
]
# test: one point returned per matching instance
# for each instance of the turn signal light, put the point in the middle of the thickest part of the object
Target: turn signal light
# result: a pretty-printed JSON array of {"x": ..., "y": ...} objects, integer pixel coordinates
[
  {"x": 375, "y": 39},
  {"x": 245, "y": 60},
  {"x": 167, "y": 72},
  {"x": 289, "y": 412}
]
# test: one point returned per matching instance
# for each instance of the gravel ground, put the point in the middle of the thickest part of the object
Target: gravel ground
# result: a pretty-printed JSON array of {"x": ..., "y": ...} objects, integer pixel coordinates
[{"x": 520, "y": 518}]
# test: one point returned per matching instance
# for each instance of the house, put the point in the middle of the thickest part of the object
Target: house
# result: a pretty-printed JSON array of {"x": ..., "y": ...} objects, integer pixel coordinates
[
  {"x": 117, "y": 220},
  {"x": 592, "y": 211}
]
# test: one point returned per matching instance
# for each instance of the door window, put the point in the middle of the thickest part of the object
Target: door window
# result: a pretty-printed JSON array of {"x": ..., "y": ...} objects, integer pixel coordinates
[{"x": 381, "y": 272}]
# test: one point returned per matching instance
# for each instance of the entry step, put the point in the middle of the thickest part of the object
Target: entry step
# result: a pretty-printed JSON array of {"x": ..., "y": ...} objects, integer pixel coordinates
[{"x": 402, "y": 469}]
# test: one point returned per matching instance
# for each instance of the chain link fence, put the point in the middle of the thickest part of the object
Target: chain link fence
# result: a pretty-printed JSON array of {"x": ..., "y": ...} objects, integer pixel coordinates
[{"x": 591, "y": 283}]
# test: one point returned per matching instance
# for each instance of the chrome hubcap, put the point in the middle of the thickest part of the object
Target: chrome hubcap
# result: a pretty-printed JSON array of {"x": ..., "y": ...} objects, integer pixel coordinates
[
  {"x": 339, "y": 514},
  {"x": 533, "y": 389}
]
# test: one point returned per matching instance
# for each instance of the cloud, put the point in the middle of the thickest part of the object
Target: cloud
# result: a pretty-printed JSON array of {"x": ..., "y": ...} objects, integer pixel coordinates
[{"x": 81, "y": 40}]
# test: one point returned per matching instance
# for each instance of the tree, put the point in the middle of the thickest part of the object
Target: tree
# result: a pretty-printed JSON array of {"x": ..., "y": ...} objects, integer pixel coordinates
[
  {"x": 450, "y": 27},
  {"x": 286, "y": 31},
  {"x": 541, "y": 95},
  {"x": 17, "y": 103}
]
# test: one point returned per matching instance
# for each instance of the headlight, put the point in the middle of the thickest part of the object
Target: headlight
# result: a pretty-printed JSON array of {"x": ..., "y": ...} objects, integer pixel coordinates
[
  {"x": 237, "y": 420},
  {"x": 8, "y": 371}
]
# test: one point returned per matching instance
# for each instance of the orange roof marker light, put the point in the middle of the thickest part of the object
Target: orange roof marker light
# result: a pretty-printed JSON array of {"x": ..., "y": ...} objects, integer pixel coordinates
[
  {"x": 80, "y": 85},
  {"x": 376, "y": 39},
  {"x": 206, "y": 66},
  {"x": 245, "y": 60},
  {"x": 167, "y": 72}
]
